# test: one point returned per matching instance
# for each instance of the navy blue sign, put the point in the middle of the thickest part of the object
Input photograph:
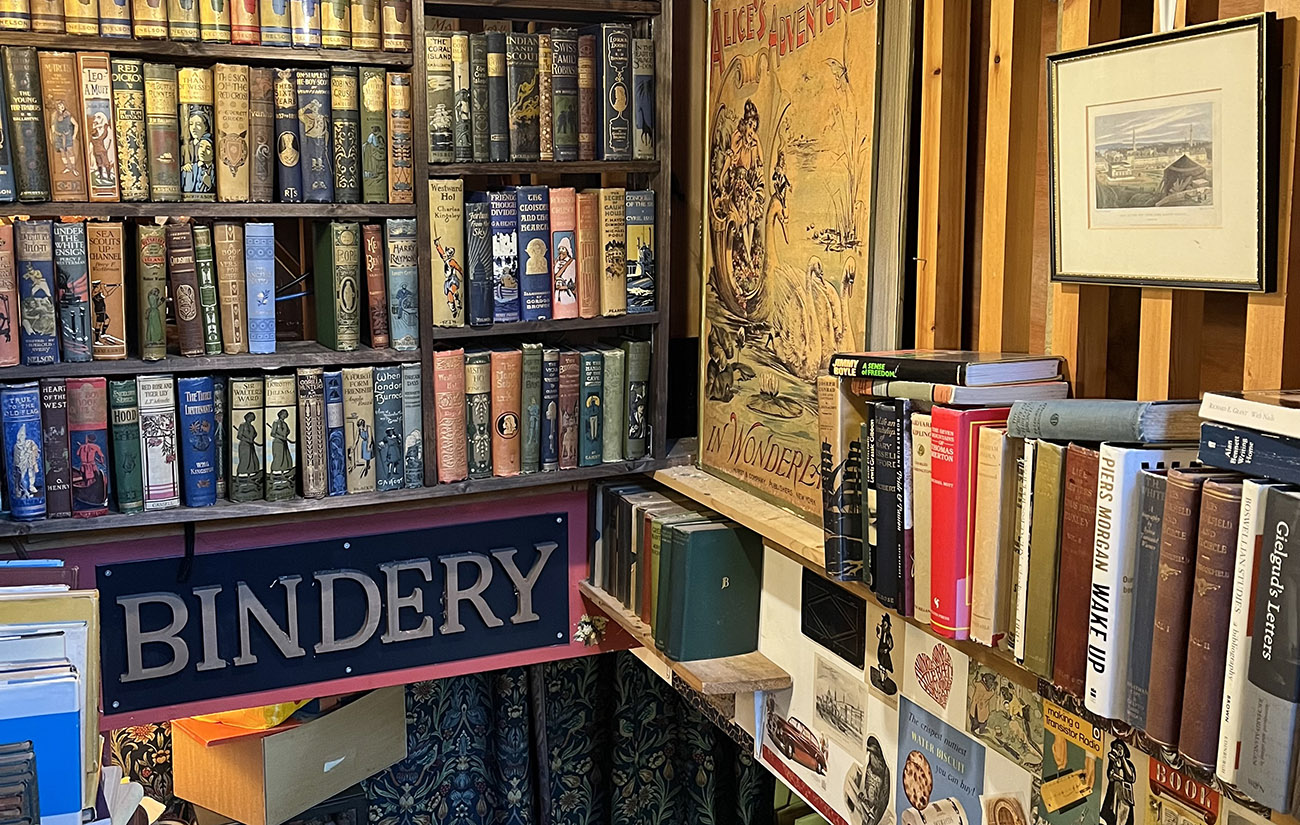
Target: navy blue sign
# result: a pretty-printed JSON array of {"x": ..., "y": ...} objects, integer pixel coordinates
[{"x": 276, "y": 617}]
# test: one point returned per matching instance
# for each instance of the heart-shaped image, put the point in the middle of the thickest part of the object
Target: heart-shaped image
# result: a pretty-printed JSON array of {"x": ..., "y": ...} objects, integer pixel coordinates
[{"x": 934, "y": 672}]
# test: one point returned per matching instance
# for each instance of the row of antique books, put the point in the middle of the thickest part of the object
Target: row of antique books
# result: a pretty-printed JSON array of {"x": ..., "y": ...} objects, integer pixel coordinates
[
  {"x": 89, "y": 128},
  {"x": 506, "y": 412},
  {"x": 361, "y": 24},
  {"x": 689, "y": 573},
  {"x": 78, "y": 446},
  {"x": 560, "y": 95},
  {"x": 532, "y": 253}
]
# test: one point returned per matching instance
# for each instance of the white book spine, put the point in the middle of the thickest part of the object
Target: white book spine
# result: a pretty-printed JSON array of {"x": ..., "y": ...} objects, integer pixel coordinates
[
  {"x": 1249, "y": 530},
  {"x": 921, "y": 520},
  {"x": 1254, "y": 415},
  {"x": 1026, "y": 496}
]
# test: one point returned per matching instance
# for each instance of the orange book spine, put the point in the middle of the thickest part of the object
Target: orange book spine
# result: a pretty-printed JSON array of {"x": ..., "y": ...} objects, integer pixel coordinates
[
  {"x": 588, "y": 206},
  {"x": 507, "y": 375},
  {"x": 449, "y": 414}
]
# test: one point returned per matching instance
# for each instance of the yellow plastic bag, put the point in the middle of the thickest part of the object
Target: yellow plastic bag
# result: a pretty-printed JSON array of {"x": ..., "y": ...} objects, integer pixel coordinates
[{"x": 259, "y": 718}]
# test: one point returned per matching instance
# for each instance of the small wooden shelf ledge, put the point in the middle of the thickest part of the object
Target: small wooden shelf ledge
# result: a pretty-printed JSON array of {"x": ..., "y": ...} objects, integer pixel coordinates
[
  {"x": 545, "y": 167},
  {"x": 200, "y": 53},
  {"x": 644, "y": 319},
  {"x": 746, "y": 673},
  {"x": 547, "y": 9},
  {"x": 234, "y": 211}
]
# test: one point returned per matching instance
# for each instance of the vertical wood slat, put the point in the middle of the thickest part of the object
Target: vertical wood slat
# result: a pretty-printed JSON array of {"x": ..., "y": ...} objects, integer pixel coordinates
[
  {"x": 1007, "y": 249},
  {"x": 942, "y": 170}
]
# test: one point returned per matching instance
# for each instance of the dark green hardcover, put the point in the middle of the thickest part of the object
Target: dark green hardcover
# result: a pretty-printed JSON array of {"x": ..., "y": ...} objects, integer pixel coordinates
[
  {"x": 717, "y": 579},
  {"x": 523, "y": 97},
  {"x": 478, "y": 96},
  {"x": 564, "y": 93},
  {"x": 591, "y": 376},
  {"x": 374, "y": 135},
  {"x": 636, "y": 388},
  {"x": 337, "y": 285},
  {"x": 27, "y": 117},
  {"x": 498, "y": 100},
  {"x": 530, "y": 407},
  {"x": 478, "y": 412},
  {"x": 128, "y": 482},
  {"x": 72, "y": 287},
  {"x": 206, "y": 266},
  {"x": 462, "y": 112},
  {"x": 347, "y": 134}
]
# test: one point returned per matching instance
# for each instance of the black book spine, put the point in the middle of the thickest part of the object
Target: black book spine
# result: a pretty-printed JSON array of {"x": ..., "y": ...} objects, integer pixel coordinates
[
  {"x": 58, "y": 461},
  {"x": 869, "y": 504},
  {"x": 564, "y": 93},
  {"x": 498, "y": 99},
  {"x": 345, "y": 103},
  {"x": 315, "y": 118},
  {"x": 23, "y": 88},
  {"x": 613, "y": 123},
  {"x": 8, "y": 187},
  {"x": 478, "y": 237},
  {"x": 288, "y": 151},
  {"x": 862, "y": 365},
  {"x": 478, "y": 96},
  {"x": 524, "y": 97},
  {"x": 886, "y": 478},
  {"x": 1249, "y": 452}
]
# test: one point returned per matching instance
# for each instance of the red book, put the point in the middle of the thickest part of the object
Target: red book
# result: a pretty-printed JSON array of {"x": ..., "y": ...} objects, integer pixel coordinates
[
  {"x": 372, "y": 241},
  {"x": 245, "y": 25},
  {"x": 8, "y": 299},
  {"x": 954, "y": 437},
  {"x": 570, "y": 364},
  {"x": 449, "y": 414},
  {"x": 564, "y": 253},
  {"x": 507, "y": 386},
  {"x": 1078, "y": 530}
]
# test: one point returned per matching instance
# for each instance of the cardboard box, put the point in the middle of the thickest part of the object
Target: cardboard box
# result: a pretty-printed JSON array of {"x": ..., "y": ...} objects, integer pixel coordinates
[{"x": 269, "y": 777}]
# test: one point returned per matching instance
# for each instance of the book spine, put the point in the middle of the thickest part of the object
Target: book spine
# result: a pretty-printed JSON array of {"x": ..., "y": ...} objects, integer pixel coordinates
[
  {"x": 587, "y": 97},
  {"x": 47, "y": 16},
  {"x": 336, "y": 24},
  {"x": 403, "y": 274},
  {"x": 198, "y": 439},
  {"x": 338, "y": 259},
  {"x": 643, "y": 98},
  {"x": 505, "y": 398},
  {"x": 591, "y": 419},
  {"x": 347, "y": 133},
  {"x": 888, "y": 464},
  {"x": 233, "y": 115},
  {"x": 636, "y": 398},
  {"x": 151, "y": 272},
  {"x": 372, "y": 241},
  {"x": 570, "y": 385},
  {"x": 412, "y": 427},
  {"x": 280, "y": 441},
  {"x": 8, "y": 182},
  {"x": 20, "y": 414},
  {"x": 640, "y": 268},
  {"x": 550, "y": 399},
  {"x": 613, "y": 245},
  {"x": 157, "y": 403},
  {"x": 921, "y": 507},
  {"x": 590, "y": 255},
  {"x": 274, "y": 22},
  {"x": 148, "y": 19},
  {"x": 315, "y": 117},
  {"x": 449, "y": 416},
  {"x": 523, "y": 96},
  {"x": 396, "y": 25},
  {"x": 15, "y": 15},
  {"x": 261, "y": 134},
  {"x": 72, "y": 281},
  {"x": 866, "y": 450},
  {"x": 336, "y": 466},
  {"x": 564, "y": 93},
  {"x": 374, "y": 135},
  {"x": 614, "y": 410},
  {"x": 389, "y": 467},
  {"x": 127, "y": 481},
  {"x": 534, "y": 242},
  {"x": 366, "y": 25},
  {"x": 219, "y": 399},
  {"x": 205, "y": 267},
  {"x": 54, "y": 438},
  {"x": 462, "y": 112},
  {"x": 312, "y": 432},
  {"x": 107, "y": 269},
  {"x": 564, "y": 252},
  {"x": 182, "y": 20},
  {"x": 304, "y": 17},
  {"x": 545, "y": 99},
  {"x": 129, "y": 120},
  {"x": 87, "y": 439},
  {"x": 65, "y": 135},
  {"x": 478, "y": 97},
  {"x": 259, "y": 285},
  {"x": 288, "y": 148},
  {"x": 1078, "y": 530},
  {"x": 478, "y": 413},
  {"x": 214, "y": 21},
  {"x": 27, "y": 117},
  {"x": 498, "y": 98},
  {"x": 401, "y": 180},
  {"x": 505, "y": 257},
  {"x": 38, "y": 330},
  {"x": 478, "y": 241},
  {"x": 1145, "y": 571},
  {"x": 228, "y": 247},
  {"x": 198, "y": 146},
  {"x": 114, "y": 18},
  {"x": 10, "y": 354},
  {"x": 1044, "y": 559},
  {"x": 1250, "y": 452},
  {"x": 614, "y": 132},
  {"x": 441, "y": 96},
  {"x": 359, "y": 428},
  {"x": 162, "y": 132},
  {"x": 247, "y": 417},
  {"x": 991, "y": 522},
  {"x": 81, "y": 17},
  {"x": 841, "y": 474},
  {"x": 183, "y": 278},
  {"x": 447, "y": 216}
]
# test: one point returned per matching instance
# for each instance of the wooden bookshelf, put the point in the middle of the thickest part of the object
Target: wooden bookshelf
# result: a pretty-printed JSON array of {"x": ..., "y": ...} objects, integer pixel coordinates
[
  {"x": 746, "y": 673},
  {"x": 200, "y": 53},
  {"x": 232, "y": 211},
  {"x": 546, "y": 167},
  {"x": 555, "y": 325}
]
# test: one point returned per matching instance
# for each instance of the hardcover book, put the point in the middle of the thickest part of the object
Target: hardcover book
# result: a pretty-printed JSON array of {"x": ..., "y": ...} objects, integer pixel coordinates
[
  {"x": 922, "y": 488},
  {"x": 336, "y": 24},
  {"x": 564, "y": 253},
  {"x": 288, "y": 147},
  {"x": 613, "y": 246},
  {"x": 478, "y": 97},
  {"x": 149, "y": 19},
  {"x": 205, "y": 267},
  {"x": 345, "y": 100},
  {"x": 478, "y": 413},
  {"x": 1151, "y": 508},
  {"x": 129, "y": 124},
  {"x": 614, "y": 415},
  {"x": 81, "y": 17},
  {"x": 640, "y": 211},
  {"x": 564, "y": 93},
  {"x": 101, "y": 139},
  {"x": 162, "y": 131},
  {"x": 506, "y": 387},
  {"x": 403, "y": 293},
  {"x": 183, "y": 19},
  {"x": 359, "y": 427},
  {"x": 374, "y": 135},
  {"x": 447, "y": 221},
  {"x": 1079, "y": 514},
  {"x": 390, "y": 471},
  {"x": 15, "y": 15},
  {"x": 478, "y": 257},
  {"x": 158, "y": 458},
  {"x": 449, "y": 414},
  {"x": 374, "y": 253},
  {"x": 590, "y": 255},
  {"x": 151, "y": 289},
  {"x": 233, "y": 127},
  {"x": 114, "y": 18},
  {"x": 462, "y": 113},
  {"x": 505, "y": 256},
  {"x": 72, "y": 281},
  {"x": 719, "y": 568},
  {"x": 366, "y": 24},
  {"x": 246, "y": 423},
  {"x": 587, "y": 97},
  {"x": 183, "y": 280},
  {"x": 336, "y": 463},
  {"x": 214, "y": 21},
  {"x": 412, "y": 426},
  {"x": 88, "y": 446},
  {"x": 534, "y": 246},
  {"x": 10, "y": 354},
  {"x": 8, "y": 184},
  {"x": 64, "y": 135},
  {"x": 546, "y": 94},
  {"x": 313, "y": 441},
  {"x": 550, "y": 441},
  {"x": 304, "y": 17},
  {"x": 337, "y": 287},
  {"x": 198, "y": 144},
  {"x": 259, "y": 285},
  {"x": 613, "y": 103},
  {"x": 38, "y": 328},
  {"x": 315, "y": 119},
  {"x": 441, "y": 97},
  {"x": 995, "y": 528},
  {"x": 275, "y": 23},
  {"x": 20, "y": 415},
  {"x": 27, "y": 118},
  {"x": 892, "y": 573},
  {"x": 219, "y": 432},
  {"x": 104, "y": 242},
  {"x": 570, "y": 385},
  {"x": 228, "y": 243},
  {"x": 840, "y": 417},
  {"x": 401, "y": 181},
  {"x": 530, "y": 409},
  {"x": 47, "y": 16},
  {"x": 643, "y": 98},
  {"x": 523, "y": 96},
  {"x": 397, "y": 25},
  {"x": 198, "y": 425},
  {"x": 591, "y": 437},
  {"x": 498, "y": 99},
  {"x": 54, "y": 438},
  {"x": 261, "y": 134},
  {"x": 636, "y": 389},
  {"x": 280, "y": 442},
  {"x": 127, "y": 481},
  {"x": 1040, "y": 585}
]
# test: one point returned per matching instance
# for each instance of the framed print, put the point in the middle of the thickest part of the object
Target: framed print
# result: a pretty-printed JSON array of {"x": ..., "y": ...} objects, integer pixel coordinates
[{"x": 1163, "y": 159}]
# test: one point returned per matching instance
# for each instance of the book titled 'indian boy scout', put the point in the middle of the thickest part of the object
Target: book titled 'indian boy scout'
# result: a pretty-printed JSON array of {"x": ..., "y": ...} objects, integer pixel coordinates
[
  {"x": 403, "y": 272},
  {"x": 280, "y": 443},
  {"x": 505, "y": 256},
  {"x": 20, "y": 415},
  {"x": 88, "y": 445},
  {"x": 158, "y": 448},
  {"x": 534, "y": 244},
  {"x": 374, "y": 135},
  {"x": 162, "y": 135},
  {"x": 336, "y": 471},
  {"x": 550, "y": 444},
  {"x": 246, "y": 417},
  {"x": 315, "y": 119},
  {"x": 38, "y": 328},
  {"x": 614, "y": 100},
  {"x": 232, "y": 113},
  {"x": 447, "y": 211},
  {"x": 389, "y": 470},
  {"x": 478, "y": 413},
  {"x": 359, "y": 427},
  {"x": 523, "y": 96},
  {"x": 259, "y": 280},
  {"x": 590, "y": 414},
  {"x": 401, "y": 153},
  {"x": 288, "y": 151},
  {"x": 412, "y": 427},
  {"x": 104, "y": 251},
  {"x": 449, "y": 416},
  {"x": 127, "y": 481},
  {"x": 338, "y": 268},
  {"x": 97, "y": 109},
  {"x": 347, "y": 133},
  {"x": 151, "y": 275},
  {"x": 311, "y": 432},
  {"x": 261, "y": 134},
  {"x": 54, "y": 437},
  {"x": 129, "y": 123},
  {"x": 640, "y": 215},
  {"x": 198, "y": 440},
  {"x": 72, "y": 282},
  {"x": 27, "y": 116},
  {"x": 478, "y": 260},
  {"x": 198, "y": 136}
]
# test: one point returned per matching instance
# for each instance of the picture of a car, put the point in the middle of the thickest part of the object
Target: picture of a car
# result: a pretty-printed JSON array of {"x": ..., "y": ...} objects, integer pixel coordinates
[{"x": 796, "y": 742}]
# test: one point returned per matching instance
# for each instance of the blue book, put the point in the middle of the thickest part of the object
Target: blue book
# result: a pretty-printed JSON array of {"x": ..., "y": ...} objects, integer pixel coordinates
[
  {"x": 550, "y": 409},
  {"x": 8, "y": 185},
  {"x": 20, "y": 414},
  {"x": 591, "y": 378},
  {"x": 288, "y": 154},
  {"x": 534, "y": 205},
  {"x": 412, "y": 426},
  {"x": 505, "y": 256},
  {"x": 259, "y": 279},
  {"x": 38, "y": 337},
  {"x": 43, "y": 706},
  {"x": 198, "y": 440},
  {"x": 478, "y": 260},
  {"x": 72, "y": 287},
  {"x": 639, "y": 210},
  {"x": 403, "y": 283},
  {"x": 335, "y": 441},
  {"x": 390, "y": 470},
  {"x": 315, "y": 128}
]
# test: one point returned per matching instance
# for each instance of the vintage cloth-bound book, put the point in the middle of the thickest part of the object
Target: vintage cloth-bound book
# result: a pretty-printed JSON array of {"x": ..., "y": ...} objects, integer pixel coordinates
[
  {"x": 60, "y": 85},
  {"x": 214, "y": 21},
  {"x": 162, "y": 131},
  {"x": 47, "y": 16},
  {"x": 38, "y": 329},
  {"x": 27, "y": 117},
  {"x": 244, "y": 26},
  {"x": 550, "y": 443},
  {"x": 374, "y": 252},
  {"x": 478, "y": 96},
  {"x": 157, "y": 402},
  {"x": 149, "y": 19},
  {"x": 205, "y": 267},
  {"x": 1078, "y": 530},
  {"x": 564, "y": 252},
  {"x": 640, "y": 213},
  {"x": 840, "y": 417},
  {"x": 1044, "y": 558},
  {"x": 403, "y": 292},
  {"x": 100, "y": 139},
  {"x": 462, "y": 113},
  {"x": 128, "y": 484},
  {"x": 643, "y": 98},
  {"x": 129, "y": 121},
  {"x": 88, "y": 443},
  {"x": 259, "y": 285},
  {"x": 523, "y": 96},
  {"x": 505, "y": 256},
  {"x": 530, "y": 406},
  {"x": 498, "y": 98},
  {"x": 304, "y": 17},
  {"x": 151, "y": 275},
  {"x": 54, "y": 435},
  {"x": 72, "y": 282},
  {"x": 478, "y": 413},
  {"x": 280, "y": 441},
  {"x": 198, "y": 143},
  {"x": 1152, "y": 486},
  {"x": 506, "y": 387},
  {"x": 338, "y": 269},
  {"x": 587, "y": 93},
  {"x": 15, "y": 15},
  {"x": 389, "y": 470},
  {"x": 81, "y": 17},
  {"x": 183, "y": 19},
  {"x": 261, "y": 134},
  {"x": 275, "y": 24},
  {"x": 219, "y": 400},
  {"x": 478, "y": 260},
  {"x": 366, "y": 25},
  {"x": 346, "y": 107},
  {"x": 613, "y": 417},
  {"x": 590, "y": 255},
  {"x": 401, "y": 181},
  {"x": 564, "y": 93},
  {"x": 336, "y": 468},
  {"x": 613, "y": 245},
  {"x": 570, "y": 385},
  {"x": 183, "y": 279},
  {"x": 198, "y": 424},
  {"x": 995, "y": 534},
  {"x": 20, "y": 415},
  {"x": 312, "y": 432},
  {"x": 534, "y": 245},
  {"x": 441, "y": 98},
  {"x": 114, "y": 18},
  {"x": 104, "y": 252},
  {"x": 614, "y": 98},
  {"x": 315, "y": 119},
  {"x": 545, "y": 99},
  {"x": 359, "y": 427},
  {"x": 636, "y": 399},
  {"x": 374, "y": 135},
  {"x": 412, "y": 426},
  {"x": 447, "y": 217},
  {"x": 8, "y": 183},
  {"x": 233, "y": 115},
  {"x": 336, "y": 24},
  {"x": 246, "y": 421},
  {"x": 10, "y": 354},
  {"x": 591, "y": 419},
  {"x": 228, "y": 245},
  {"x": 396, "y": 25},
  {"x": 288, "y": 146}
]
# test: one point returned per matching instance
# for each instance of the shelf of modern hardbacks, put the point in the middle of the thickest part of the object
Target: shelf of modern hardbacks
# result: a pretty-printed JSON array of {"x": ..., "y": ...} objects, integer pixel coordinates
[
  {"x": 745, "y": 673},
  {"x": 643, "y": 319},
  {"x": 199, "y": 53},
  {"x": 149, "y": 209},
  {"x": 227, "y": 510},
  {"x": 546, "y": 167},
  {"x": 288, "y": 354},
  {"x": 606, "y": 9}
]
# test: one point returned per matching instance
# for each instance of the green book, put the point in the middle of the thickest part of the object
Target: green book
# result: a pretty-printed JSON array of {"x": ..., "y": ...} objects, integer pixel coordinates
[
  {"x": 661, "y": 567},
  {"x": 152, "y": 274},
  {"x": 717, "y": 578},
  {"x": 374, "y": 135},
  {"x": 591, "y": 374},
  {"x": 206, "y": 265},
  {"x": 478, "y": 412},
  {"x": 613, "y": 415},
  {"x": 346, "y": 139},
  {"x": 1044, "y": 554},
  {"x": 530, "y": 406},
  {"x": 636, "y": 384},
  {"x": 128, "y": 481},
  {"x": 337, "y": 284}
]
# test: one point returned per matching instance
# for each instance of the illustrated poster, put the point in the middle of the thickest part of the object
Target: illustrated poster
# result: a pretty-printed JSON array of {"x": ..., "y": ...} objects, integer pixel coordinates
[
  {"x": 934, "y": 676},
  {"x": 1071, "y": 793},
  {"x": 940, "y": 770},
  {"x": 1005, "y": 716}
]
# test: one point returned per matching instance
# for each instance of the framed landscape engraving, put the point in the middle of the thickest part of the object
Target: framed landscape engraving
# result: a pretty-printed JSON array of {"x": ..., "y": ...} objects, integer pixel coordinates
[{"x": 1164, "y": 158}]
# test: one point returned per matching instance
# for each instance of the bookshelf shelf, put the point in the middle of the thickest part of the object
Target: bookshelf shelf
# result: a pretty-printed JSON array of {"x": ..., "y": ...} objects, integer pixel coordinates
[
  {"x": 607, "y": 9},
  {"x": 354, "y": 211},
  {"x": 645, "y": 319},
  {"x": 546, "y": 167},
  {"x": 191, "y": 53},
  {"x": 746, "y": 673}
]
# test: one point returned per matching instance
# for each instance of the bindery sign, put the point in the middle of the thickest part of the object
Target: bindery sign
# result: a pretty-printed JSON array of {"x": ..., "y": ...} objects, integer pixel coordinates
[{"x": 267, "y": 618}]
